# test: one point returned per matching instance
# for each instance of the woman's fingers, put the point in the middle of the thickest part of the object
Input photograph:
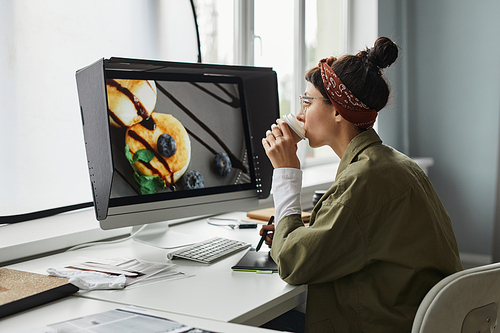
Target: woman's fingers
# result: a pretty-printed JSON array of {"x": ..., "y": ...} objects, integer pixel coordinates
[
  {"x": 280, "y": 147},
  {"x": 276, "y": 131}
]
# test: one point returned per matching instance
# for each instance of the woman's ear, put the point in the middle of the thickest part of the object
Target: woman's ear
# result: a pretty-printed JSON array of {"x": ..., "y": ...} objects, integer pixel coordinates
[{"x": 338, "y": 117}]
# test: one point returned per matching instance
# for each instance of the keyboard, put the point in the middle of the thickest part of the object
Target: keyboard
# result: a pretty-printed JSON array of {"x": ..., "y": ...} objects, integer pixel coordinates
[{"x": 210, "y": 250}]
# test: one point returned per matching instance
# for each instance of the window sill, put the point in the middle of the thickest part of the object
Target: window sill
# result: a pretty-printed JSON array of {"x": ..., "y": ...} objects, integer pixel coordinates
[{"x": 29, "y": 239}]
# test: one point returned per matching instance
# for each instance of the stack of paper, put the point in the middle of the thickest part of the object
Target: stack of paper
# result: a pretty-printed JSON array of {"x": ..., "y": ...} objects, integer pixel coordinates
[{"x": 137, "y": 272}]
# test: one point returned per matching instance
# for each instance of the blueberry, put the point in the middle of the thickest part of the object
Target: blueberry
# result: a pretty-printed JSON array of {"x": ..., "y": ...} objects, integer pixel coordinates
[
  {"x": 222, "y": 164},
  {"x": 192, "y": 180},
  {"x": 166, "y": 145}
]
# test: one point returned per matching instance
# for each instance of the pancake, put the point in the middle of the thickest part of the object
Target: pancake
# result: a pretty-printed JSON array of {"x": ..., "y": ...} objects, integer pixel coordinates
[
  {"x": 130, "y": 101},
  {"x": 170, "y": 169}
]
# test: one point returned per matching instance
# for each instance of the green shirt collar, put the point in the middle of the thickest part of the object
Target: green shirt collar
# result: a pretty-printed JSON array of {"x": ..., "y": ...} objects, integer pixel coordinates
[{"x": 358, "y": 144}]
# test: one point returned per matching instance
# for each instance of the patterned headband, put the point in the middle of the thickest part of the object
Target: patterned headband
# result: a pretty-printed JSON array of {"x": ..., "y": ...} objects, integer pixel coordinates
[{"x": 348, "y": 105}]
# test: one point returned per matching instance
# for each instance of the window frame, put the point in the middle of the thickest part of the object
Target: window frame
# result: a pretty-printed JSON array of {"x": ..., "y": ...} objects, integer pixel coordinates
[{"x": 244, "y": 53}]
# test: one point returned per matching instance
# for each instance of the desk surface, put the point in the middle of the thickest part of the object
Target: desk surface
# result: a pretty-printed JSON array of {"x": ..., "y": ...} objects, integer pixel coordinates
[
  {"x": 75, "y": 307},
  {"x": 213, "y": 292}
]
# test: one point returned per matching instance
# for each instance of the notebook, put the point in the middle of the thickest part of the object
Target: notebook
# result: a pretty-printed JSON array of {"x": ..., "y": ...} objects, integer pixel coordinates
[{"x": 260, "y": 262}]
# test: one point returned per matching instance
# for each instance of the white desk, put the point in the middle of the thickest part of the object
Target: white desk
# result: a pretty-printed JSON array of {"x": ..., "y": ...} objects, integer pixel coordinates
[
  {"x": 215, "y": 292},
  {"x": 75, "y": 307}
]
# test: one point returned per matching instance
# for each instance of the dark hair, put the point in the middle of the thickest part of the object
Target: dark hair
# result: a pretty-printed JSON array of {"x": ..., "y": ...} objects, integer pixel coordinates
[{"x": 362, "y": 73}]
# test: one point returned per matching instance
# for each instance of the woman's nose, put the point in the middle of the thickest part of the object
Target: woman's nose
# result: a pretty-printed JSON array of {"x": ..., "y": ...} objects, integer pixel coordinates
[{"x": 300, "y": 116}]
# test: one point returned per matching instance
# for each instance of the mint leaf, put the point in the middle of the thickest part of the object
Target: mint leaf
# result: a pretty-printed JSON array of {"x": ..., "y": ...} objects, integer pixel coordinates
[
  {"x": 143, "y": 155},
  {"x": 148, "y": 184},
  {"x": 128, "y": 154}
]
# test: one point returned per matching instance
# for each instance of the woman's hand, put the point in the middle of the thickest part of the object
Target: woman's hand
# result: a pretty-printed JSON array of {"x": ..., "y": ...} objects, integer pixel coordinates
[
  {"x": 280, "y": 146},
  {"x": 270, "y": 233}
]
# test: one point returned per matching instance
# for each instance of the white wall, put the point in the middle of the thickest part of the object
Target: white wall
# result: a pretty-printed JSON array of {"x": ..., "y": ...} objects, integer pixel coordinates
[{"x": 42, "y": 45}]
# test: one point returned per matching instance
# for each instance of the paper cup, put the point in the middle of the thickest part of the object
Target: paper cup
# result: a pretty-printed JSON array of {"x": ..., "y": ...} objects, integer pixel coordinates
[{"x": 298, "y": 132}]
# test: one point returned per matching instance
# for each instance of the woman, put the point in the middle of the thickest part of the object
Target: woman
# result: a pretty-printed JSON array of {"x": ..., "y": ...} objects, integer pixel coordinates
[{"x": 380, "y": 237}]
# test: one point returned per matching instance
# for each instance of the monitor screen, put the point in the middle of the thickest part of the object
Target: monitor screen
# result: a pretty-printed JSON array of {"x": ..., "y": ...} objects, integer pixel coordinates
[
  {"x": 175, "y": 136},
  {"x": 171, "y": 140}
]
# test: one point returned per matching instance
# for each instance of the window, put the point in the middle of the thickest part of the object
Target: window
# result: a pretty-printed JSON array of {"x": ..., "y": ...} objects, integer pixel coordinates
[
  {"x": 216, "y": 23},
  {"x": 325, "y": 35},
  {"x": 274, "y": 45},
  {"x": 288, "y": 38}
]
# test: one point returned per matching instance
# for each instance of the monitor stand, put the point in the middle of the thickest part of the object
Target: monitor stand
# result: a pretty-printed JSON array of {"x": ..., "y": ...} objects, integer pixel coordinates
[{"x": 161, "y": 235}]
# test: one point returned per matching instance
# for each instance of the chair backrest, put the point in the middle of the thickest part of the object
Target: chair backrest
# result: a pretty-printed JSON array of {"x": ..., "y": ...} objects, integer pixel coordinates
[{"x": 467, "y": 301}]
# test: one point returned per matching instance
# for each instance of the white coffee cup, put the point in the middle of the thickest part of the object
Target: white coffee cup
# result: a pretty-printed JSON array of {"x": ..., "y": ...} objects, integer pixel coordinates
[{"x": 297, "y": 131}]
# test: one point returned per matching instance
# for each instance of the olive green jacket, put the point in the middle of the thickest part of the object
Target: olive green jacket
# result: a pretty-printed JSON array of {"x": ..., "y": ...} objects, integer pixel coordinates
[{"x": 379, "y": 239}]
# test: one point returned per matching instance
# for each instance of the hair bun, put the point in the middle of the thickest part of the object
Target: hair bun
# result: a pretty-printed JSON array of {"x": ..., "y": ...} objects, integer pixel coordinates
[{"x": 383, "y": 54}]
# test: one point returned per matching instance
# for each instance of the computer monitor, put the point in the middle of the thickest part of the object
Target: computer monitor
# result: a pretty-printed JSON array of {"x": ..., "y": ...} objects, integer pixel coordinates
[{"x": 169, "y": 140}]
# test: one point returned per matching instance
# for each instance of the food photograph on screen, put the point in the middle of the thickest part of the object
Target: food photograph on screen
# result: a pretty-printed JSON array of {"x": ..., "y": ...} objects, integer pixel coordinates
[{"x": 177, "y": 135}]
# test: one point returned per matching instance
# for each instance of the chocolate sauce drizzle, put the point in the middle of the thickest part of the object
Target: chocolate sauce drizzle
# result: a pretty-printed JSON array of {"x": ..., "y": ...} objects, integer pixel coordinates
[
  {"x": 235, "y": 102},
  {"x": 116, "y": 119},
  {"x": 149, "y": 123},
  {"x": 236, "y": 163},
  {"x": 141, "y": 110},
  {"x": 197, "y": 138},
  {"x": 148, "y": 165}
]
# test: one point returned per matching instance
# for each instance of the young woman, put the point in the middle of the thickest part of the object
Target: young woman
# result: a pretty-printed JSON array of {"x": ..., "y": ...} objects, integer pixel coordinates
[{"x": 379, "y": 238}]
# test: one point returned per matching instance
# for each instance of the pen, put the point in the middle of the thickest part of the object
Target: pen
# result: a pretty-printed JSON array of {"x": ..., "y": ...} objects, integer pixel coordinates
[{"x": 264, "y": 234}]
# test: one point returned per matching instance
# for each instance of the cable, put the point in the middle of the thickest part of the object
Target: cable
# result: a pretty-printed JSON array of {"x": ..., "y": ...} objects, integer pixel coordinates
[
  {"x": 132, "y": 235},
  {"x": 42, "y": 213},
  {"x": 232, "y": 226},
  {"x": 197, "y": 30}
]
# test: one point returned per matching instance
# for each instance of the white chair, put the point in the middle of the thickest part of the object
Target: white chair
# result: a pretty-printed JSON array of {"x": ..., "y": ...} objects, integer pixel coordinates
[{"x": 467, "y": 301}]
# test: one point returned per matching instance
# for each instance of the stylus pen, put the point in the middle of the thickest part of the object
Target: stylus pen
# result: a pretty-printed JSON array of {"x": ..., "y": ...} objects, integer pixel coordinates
[{"x": 264, "y": 234}]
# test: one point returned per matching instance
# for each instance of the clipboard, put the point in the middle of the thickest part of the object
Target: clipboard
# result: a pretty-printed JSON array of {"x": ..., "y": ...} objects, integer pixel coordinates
[{"x": 259, "y": 262}]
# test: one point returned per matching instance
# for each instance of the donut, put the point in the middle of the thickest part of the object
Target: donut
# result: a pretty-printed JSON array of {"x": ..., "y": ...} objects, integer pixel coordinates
[
  {"x": 130, "y": 101},
  {"x": 171, "y": 168}
]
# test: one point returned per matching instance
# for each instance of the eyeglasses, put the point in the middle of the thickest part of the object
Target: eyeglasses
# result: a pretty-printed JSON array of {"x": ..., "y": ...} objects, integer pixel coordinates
[{"x": 304, "y": 102}]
